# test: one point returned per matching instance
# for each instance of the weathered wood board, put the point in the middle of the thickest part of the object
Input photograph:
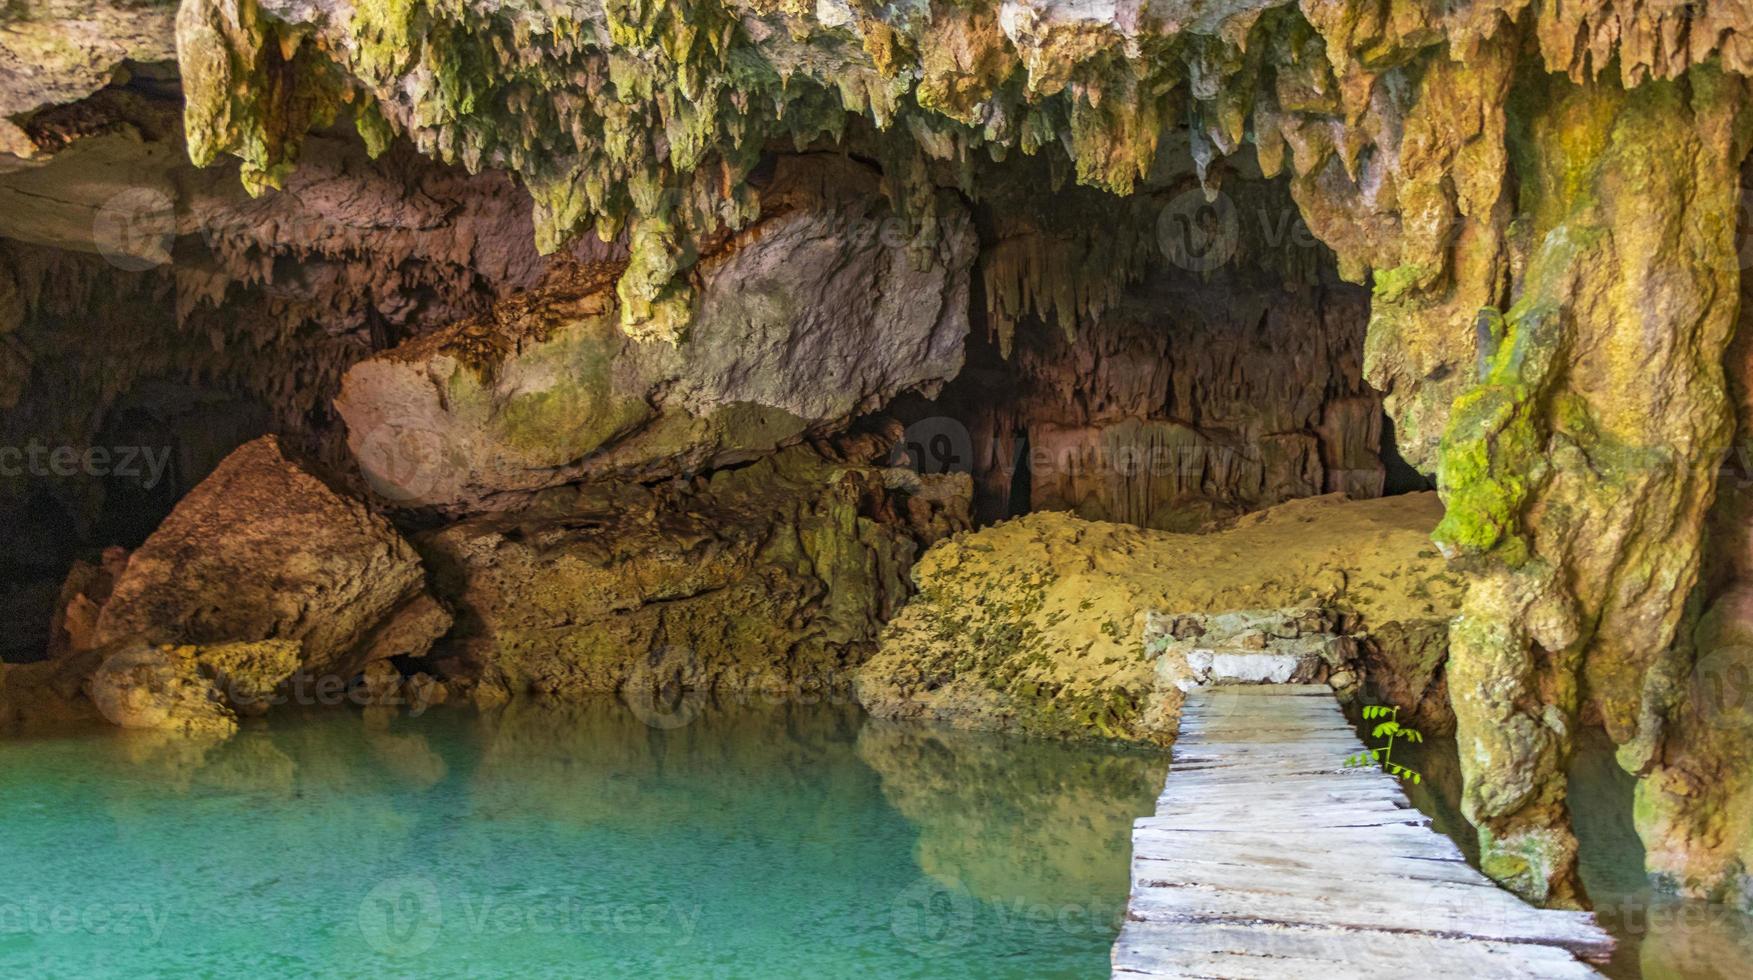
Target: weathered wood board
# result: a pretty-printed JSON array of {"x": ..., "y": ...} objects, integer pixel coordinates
[{"x": 1268, "y": 858}]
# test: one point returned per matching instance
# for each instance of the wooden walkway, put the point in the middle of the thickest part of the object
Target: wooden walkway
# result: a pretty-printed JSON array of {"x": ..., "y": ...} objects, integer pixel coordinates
[{"x": 1267, "y": 858}]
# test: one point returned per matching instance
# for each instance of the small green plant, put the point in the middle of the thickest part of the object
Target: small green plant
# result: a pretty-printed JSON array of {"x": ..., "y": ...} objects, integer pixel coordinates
[{"x": 1388, "y": 727}]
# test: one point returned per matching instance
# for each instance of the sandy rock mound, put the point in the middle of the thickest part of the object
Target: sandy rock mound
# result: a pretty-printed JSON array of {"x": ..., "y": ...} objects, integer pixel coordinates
[
  {"x": 1040, "y": 623},
  {"x": 263, "y": 550}
]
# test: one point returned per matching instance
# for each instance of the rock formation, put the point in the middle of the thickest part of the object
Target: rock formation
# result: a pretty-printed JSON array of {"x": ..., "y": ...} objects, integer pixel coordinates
[
  {"x": 263, "y": 550},
  {"x": 775, "y": 576},
  {"x": 1040, "y": 624},
  {"x": 1186, "y": 404},
  {"x": 60, "y": 51},
  {"x": 810, "y": 316},
  {"x": 194, "y": 690}
]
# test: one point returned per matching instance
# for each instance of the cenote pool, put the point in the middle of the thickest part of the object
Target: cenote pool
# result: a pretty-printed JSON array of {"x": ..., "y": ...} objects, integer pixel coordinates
[{"x": 794, "y": 841}]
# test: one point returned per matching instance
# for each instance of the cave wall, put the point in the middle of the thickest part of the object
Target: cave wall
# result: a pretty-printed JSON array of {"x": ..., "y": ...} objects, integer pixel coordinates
[
  {"x": 158, "y": 316},
  {"x": 1700, "y": 790},
  {"x": 1188, "y": 402},
  {"x": 1161, "y": 360}
]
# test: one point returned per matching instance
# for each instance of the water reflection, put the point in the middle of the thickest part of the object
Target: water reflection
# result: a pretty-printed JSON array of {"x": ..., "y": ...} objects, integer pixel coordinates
[
  {"x": 1661, "y": 937},
  {"x": 1040, "y": 822},
  {"x": 786, "y": 840}
]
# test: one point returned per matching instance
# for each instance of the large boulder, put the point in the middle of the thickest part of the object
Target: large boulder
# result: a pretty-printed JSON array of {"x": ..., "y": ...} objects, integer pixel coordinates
[
  {"x": 264, "y": 550},
  {"x": 823, "y": 309}
]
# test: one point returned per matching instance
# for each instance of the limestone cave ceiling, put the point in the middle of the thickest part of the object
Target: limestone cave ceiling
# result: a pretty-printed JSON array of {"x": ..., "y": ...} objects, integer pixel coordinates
[{"x": 1542, "y": 196}]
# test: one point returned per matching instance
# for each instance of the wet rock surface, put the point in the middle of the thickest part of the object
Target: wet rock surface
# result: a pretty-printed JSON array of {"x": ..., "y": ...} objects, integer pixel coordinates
[
  {"x": 774, "y": 575},
  {"x": 188, "y": 689}
]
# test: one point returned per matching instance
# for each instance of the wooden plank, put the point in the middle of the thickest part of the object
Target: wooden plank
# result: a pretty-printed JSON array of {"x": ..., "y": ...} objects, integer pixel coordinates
[
  {"x": 1432, "y": 915},
  {"x": 1217, "y": 859},
  {"x": 1409, "y": 842},
  {"x": 1261, "y": 953},
  {"x": 1268, "y": 857}
]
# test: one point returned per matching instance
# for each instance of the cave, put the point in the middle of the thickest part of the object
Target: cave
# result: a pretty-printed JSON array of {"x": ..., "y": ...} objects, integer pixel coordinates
[{"x": 1028, "y": 438}]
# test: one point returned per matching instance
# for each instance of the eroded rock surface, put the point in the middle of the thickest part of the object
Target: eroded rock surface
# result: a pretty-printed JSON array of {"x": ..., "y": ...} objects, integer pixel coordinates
[
  {"x": 775, "y": 574},
  {"x": 189, "y": 689},
  {"x": 1039, "y": 624},
  {"x": 58, "y": 51},
  {"x": 264, "y": 550},
  {"x": 810, "y": 316}
]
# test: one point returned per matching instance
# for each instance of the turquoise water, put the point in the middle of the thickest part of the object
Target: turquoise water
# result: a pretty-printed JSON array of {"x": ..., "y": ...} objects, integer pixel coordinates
[{"x": 794, "y": 841}]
